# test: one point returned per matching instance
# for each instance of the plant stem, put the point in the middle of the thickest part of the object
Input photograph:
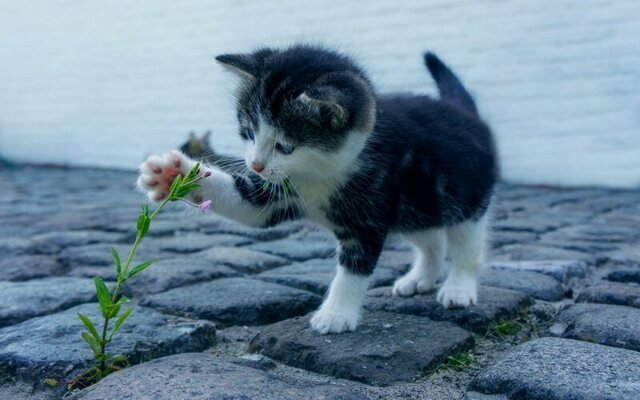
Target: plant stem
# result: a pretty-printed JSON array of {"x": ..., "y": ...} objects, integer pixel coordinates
[
  {"x": 123, "y": 276},
  {"x": 121, "y": 279}
]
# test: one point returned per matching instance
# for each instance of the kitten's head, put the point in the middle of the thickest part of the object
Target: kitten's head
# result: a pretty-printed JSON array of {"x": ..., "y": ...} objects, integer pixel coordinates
[
  {"x": 197, "y": 148},
  {"x": 304, "y": 111}
]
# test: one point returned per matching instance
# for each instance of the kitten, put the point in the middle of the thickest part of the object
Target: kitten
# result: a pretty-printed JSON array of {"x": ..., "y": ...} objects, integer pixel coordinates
[{"x": 361, "y": 165}]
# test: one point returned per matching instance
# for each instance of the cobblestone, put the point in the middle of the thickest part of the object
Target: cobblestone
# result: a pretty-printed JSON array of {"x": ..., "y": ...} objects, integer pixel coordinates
[
  {"x": 558, "y": 369},
  {"x": 386, "y": 348},
  {"x": 562, "y": 262}
]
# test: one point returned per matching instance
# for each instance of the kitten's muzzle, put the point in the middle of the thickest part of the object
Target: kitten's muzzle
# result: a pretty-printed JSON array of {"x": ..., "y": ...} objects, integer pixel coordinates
[{"x": 258, "y": 167}]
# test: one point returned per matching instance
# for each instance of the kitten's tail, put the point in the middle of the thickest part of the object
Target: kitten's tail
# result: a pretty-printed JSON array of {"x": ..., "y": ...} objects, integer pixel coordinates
[{"x": 451, "y": 89}]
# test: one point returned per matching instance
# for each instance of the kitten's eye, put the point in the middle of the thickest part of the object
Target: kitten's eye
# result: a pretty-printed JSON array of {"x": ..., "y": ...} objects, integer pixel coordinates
[
  {"x": 247, "y": 134},
  {"x": 284, "y": 148}
]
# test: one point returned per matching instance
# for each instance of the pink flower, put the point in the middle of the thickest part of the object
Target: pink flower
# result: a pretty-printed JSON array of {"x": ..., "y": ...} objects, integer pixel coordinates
[{"x": 205, "y": 206}]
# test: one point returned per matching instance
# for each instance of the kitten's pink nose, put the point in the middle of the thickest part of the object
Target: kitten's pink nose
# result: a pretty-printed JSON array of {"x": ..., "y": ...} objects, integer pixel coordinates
[{"x": 257, "y": 167}]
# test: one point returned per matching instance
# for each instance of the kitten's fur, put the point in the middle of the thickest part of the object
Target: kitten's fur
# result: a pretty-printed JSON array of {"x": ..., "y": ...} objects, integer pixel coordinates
[{"x": 360, "y": 164}]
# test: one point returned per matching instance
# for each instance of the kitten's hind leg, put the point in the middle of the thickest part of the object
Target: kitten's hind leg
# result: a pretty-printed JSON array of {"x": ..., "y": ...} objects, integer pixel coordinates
[
  {"x": 430, "y": 248},
  {"x": 466, "y": 243}
]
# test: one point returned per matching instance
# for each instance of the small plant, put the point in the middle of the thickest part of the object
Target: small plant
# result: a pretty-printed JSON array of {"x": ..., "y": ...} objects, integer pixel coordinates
[
  {"x": 459, "y": 361},
  {"x": 507, "y": 328},
  {"x": 456, "y": 362},
  {"x": 111, "y": 302}
]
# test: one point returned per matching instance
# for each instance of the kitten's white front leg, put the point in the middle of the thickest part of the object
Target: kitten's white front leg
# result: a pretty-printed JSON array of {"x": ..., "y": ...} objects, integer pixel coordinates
[
  {"x": 341, "y": 309},
  {"x": 158, "y": 172}
]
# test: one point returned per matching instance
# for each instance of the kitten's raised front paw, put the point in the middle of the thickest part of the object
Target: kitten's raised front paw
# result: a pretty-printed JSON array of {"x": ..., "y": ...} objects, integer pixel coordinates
[
  {"x": 158, "y": 172},
  {"x": 409, "y": 285},
  {"x": 458, "y": 294},
  {"x": 325, "y": 322}
]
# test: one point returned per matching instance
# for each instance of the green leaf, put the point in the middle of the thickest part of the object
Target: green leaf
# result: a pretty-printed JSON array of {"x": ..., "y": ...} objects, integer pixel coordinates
[
  {"x": 119, "y": 322},
  {"x": 116, "y": 258},
  {"x": 175, "y": 185},
  {"x": 114, "y": 310},
  {"x": 89, "y": 325},
  {"x": 192, "y": 173},
  {"x": 51, "y": 382},
  {"x": 143, "y": 221},
  {"x": 139, "y": 268},
  {"x": 95, "y": 345},
  {"x": 103, "y": 296},
  {"x": 120, "y": 357}
]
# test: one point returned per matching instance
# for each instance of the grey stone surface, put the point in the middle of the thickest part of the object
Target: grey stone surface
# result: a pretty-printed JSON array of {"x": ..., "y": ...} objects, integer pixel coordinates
[
  {"x": 297, "y": 250},
  {"x": 176, "y": 272},
  {"x": 537, "y": 252},
  {"x": 234, "y": 301},
  {"x": 192, "y": 242},
  {"x": 494, "y": 304},
  {"x": 480, "y": 396},
  {"x": 559, "y": 269},
  {"x": 50, "y": 346},
  {"x": 562, "y": 369},
  {"x": 24, "y": 267},
  {"x": 316, "y": 275},
  {"x": 386, "y": 348},
  {"x": 617, "y": 326},
  {"x": 54, "y": 242},
  {"x": 24, "y": 300},
  {"x": 217, "y": 225},
  {"x": 537, "y": 285},
  {"x": 624, "y": 294},
  {"x": 241, "y": 259},
  {"x": 205, "y": 376},
  {"x": 625, "y": 275},
  {"x": 573, "y": 236},
  {"x": 100, "y": 254}
]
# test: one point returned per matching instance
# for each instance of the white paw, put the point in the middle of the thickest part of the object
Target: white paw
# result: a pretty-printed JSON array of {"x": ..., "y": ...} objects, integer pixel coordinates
[
  {"x": 324, "y": 322},
  {"x": 458, "y": 294},
  {"x": 408, "y": 285},
  {"x": 158, "y": 172}
]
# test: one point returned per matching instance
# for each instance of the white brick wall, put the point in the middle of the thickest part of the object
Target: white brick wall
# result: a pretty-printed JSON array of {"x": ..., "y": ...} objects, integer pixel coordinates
[{"x": 106, "y": 83}]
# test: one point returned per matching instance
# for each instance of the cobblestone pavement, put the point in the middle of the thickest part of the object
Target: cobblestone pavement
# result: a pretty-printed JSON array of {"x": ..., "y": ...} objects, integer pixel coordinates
[{"x": 223, "y": 313}]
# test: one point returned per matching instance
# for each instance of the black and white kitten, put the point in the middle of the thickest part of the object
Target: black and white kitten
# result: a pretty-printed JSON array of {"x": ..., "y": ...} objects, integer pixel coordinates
[{"x": 361, "y": 165}]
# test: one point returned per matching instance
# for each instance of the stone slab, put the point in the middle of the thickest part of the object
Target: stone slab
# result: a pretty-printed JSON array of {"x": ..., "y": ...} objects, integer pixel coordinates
[
  {"x": 316, "y": 275},
  {"x": 51, "y": 346},
  {"x": 297, "y": 250},
  {"x": 176, "y": 272},
  {"x": 561, "y": 270},
  {"x": 205, "y": 376},
  {"x": 623, "y": 294},
  {"x": 235, "y": 301},
  {"x": 562, "y": 369},
  {"x": 535, "y": 284},
  {"x": 24, "y": 300},
  {"x": 24, "y": 267},
  {"x": 385, "y": 348},
  {"x": 617, "y": 326},
  {"x": 242, "y": 259},
  {"x": 193, "y": 242},
  {"x": 494, "y": 304}
]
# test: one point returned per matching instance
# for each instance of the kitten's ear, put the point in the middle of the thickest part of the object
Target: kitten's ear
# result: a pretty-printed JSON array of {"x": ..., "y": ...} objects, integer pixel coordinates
[
  {"x": 206, "y": 136},
  {"x": 242, "y": 64},
  {"x": 324, "y": 110},
  {"x": 247, "y": 66},
  {"x": 192, "y": 135}
]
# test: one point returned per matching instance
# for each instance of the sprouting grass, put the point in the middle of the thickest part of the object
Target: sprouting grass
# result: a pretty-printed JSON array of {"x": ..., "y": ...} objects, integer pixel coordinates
[
  {"x": 457, "y": 362},
  {"x": 506, "y": 328},
  {"x": 111, "y": 302}
]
